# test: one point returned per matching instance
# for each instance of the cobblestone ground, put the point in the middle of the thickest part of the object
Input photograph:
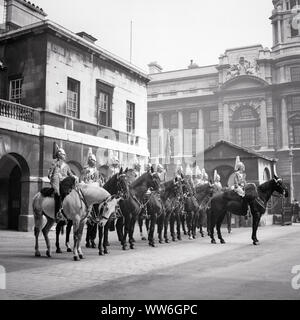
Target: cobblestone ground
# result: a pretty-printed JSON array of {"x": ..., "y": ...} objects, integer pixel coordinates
[{"x": 28, "y": 277}]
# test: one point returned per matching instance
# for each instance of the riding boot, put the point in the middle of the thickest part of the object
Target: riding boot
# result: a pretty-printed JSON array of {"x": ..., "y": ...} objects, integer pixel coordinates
[{"x": 57, "y": 209}]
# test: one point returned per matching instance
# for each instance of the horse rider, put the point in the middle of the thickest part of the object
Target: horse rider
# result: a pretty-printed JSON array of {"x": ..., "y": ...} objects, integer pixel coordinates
[
  {"x": 239, "y": 179},
  {"x": 90, "y": 173},
  {"x": 217, "y": 182},
  {"x": 204, "y": 176},
  {"x": 198, "y": 179},
  {"x": 58, "y": 171},
  {"x": 161, "y": 172}
]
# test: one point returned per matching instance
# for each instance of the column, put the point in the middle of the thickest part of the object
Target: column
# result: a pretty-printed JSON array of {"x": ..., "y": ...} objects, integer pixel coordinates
[
  {"x": 200, "y": 145},
  {"x": 161, "y": 135},
  {"x": 279, "y": 31},
  {"x": 263, "y": 125},
  {"x": 226, "y": 127},
  {"x": 180, "y": 136},
  {"x": 284, "y": 124}
]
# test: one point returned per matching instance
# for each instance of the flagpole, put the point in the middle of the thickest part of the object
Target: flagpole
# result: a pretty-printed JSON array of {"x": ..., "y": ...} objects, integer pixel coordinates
[{"x": 131, "y": 41}]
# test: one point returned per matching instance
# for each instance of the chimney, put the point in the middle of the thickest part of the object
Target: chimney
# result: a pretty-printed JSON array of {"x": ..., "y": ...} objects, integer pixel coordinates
[
  {"x": 87, "y": 36},
  {"x": 154, "y": 67}
]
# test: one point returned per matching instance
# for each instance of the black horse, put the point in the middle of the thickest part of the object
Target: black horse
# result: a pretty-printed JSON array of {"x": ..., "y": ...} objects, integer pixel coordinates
[
  {"x": 170, "y": 194},
  {"x": 116, "y": 186},
  {"x": 131, "y": 207},
  {"x": 232, "y": 202}
]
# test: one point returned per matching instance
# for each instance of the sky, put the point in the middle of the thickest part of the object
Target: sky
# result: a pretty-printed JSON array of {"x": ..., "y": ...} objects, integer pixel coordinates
[{"x": 169, "y": 32}]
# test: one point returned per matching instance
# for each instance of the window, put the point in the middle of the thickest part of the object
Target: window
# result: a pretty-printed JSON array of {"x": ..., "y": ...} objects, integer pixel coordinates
[
  {"x": 213, "y": 115},
  {"x": 295, "y": 103},
  {"x": 73, "y": 98},
  {"x": 296, "y": 134},
  {"x": 130, "y": 117},
  {"x": 211, "y": 138},
  {"x": 15, "y": 90},
  {"x": 194, "y": 117},
  {"x": 104, "y": 94},
  {"x": 245, "y": 127},
  {"x": 295, "y": 73}
]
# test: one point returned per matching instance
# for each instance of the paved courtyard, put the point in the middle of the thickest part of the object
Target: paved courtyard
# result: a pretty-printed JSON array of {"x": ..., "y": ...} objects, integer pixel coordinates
[{"x": 182, "y": 270}]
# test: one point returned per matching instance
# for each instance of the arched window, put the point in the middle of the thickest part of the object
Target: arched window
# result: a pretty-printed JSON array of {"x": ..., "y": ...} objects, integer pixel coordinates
[{"x": 245, "y": 128}]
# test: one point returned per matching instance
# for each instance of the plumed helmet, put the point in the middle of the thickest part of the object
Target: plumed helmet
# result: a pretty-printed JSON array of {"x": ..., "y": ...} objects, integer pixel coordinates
[
  {"x": 91, "y": 156},
  {"x": 239, "y": 164},
  {"x": 188, "y": 170},
  {"x": 204, "y": 174},
  {"x": 217, "y": 177},
  {"x": 179, "y": 170},
  {"x": 57, "y": 151},
  {"x": 198, "y": 172}
]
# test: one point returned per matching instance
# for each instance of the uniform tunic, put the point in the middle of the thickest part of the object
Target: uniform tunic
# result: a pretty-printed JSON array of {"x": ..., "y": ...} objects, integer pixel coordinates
[
  {"x": 239, "y": 183},
  {"x": 58, "y": 171}
]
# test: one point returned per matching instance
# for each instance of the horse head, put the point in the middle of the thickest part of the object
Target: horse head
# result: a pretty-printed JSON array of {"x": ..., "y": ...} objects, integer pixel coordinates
[
  {"x": 122, "y": 185},
  {"x": 279, "y": 186}
]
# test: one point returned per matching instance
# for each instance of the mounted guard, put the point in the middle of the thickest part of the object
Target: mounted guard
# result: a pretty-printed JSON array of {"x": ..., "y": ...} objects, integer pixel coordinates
[
  {"x": 90, "y": 173},
  {"x": 58, "y": 171},
  {"x": 198, "y": 181},
  {"x": 239, "y": 178},
  {"x": 204, "y": 176},
  {"x": 217, "y": 182}
]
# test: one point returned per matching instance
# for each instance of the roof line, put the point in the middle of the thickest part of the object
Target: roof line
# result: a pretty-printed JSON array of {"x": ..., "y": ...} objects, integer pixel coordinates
[{"x": 50, "y": 24}]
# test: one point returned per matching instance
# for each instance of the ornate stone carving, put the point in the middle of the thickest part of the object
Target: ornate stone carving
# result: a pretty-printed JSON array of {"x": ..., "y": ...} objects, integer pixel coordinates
[{"x": 244, "y": 67}]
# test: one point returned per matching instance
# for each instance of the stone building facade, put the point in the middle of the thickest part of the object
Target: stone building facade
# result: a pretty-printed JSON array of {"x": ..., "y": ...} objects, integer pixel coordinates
[
  {"x": 250, "y": 98},
  {"x": 58, "y": 86}
]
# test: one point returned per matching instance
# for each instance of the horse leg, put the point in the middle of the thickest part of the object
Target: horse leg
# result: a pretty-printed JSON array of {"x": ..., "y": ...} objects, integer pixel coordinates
[
  {"x": 152, "y": 222},
  {"x": 68, "y": 232},
  {"x": 219, "y": 224},
  {"x": 160, "y": 224},
  {"x": 105, "y": 240},
  {"x": 228, "y": 216},
  {"x": 36, "y": 234},
  {"x": 80, "y": 232},
  {"x": 255, "y": 224},
  {"x": 212, "y": 224},
  {"x": 172, "y": 226},
  {"x": 58, "y": 229},
  {"x": 100, "y": 234},
  {"x": 46, "y": 229},
  {"x": 208, "y": 221},
  {"x": 183, "y": 221},
  {"x": 126, "y": 231},
  {"x": 178, "y": 226},
  {"x": 76, "y": 240},
  {"x": 88, "y": 235},
  {"x": 119, "y": 227},
  {"x": 166, "y": 223},
  {"x": 131, "y": 232},
  {"x": 189, "y": 219}
]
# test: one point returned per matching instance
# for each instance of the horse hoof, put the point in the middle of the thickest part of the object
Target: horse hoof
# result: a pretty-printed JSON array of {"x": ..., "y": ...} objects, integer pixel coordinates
[
  {"x": 202, "y": 235},
  {"x": 222, "y": 241},
  {"x": 81, "y": 256},
  {"x": 213, "y": 241},
  {"x": 152, "y": 245},
  {"x": 101, "y": 253},
  {"x": 58, "y": 250},
  {"x": 106, "y": 252},
  {"x": 179, "y": 238},
  {"x": 87, "y": 245},
  {"x": 93, "y": 246},
  {"x": 124, "y": 248},
  {"x": 174, "y": 239},
  {"x": 194, "y": 237},
  {"x": 160, "y": 241},
  {"x": 167, "y": 241},
  {"x": 76, "y": 258},
  {"x": 144, "y": 239},
  {"x": 69, "y": 250},
  {"x": 37, "y": 254},
  {"x": 48, "y": 254},
  {"x": 255, "y": 243},
  {"x": 131, "y": 246}
]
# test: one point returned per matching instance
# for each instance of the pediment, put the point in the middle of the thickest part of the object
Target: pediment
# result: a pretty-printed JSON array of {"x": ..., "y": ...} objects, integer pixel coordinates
[{"x": 244, "y": 82}]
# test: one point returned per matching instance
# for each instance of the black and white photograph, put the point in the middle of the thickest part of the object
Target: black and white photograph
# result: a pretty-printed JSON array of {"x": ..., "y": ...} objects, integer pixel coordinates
[{"x": 149, "y": 150}]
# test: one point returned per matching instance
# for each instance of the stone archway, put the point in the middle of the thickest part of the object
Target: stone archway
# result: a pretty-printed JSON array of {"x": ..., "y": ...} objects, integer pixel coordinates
[{"x": 14, "y": 190}]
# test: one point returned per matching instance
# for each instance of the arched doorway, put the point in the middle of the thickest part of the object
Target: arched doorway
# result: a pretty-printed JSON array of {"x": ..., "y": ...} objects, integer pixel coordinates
[
  {"x": 266, "y": 175},
  {"x": 14, "y": 190}
]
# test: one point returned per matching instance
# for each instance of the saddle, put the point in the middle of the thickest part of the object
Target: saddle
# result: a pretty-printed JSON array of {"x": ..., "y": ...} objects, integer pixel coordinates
[{"x": 65, "y": 187}]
